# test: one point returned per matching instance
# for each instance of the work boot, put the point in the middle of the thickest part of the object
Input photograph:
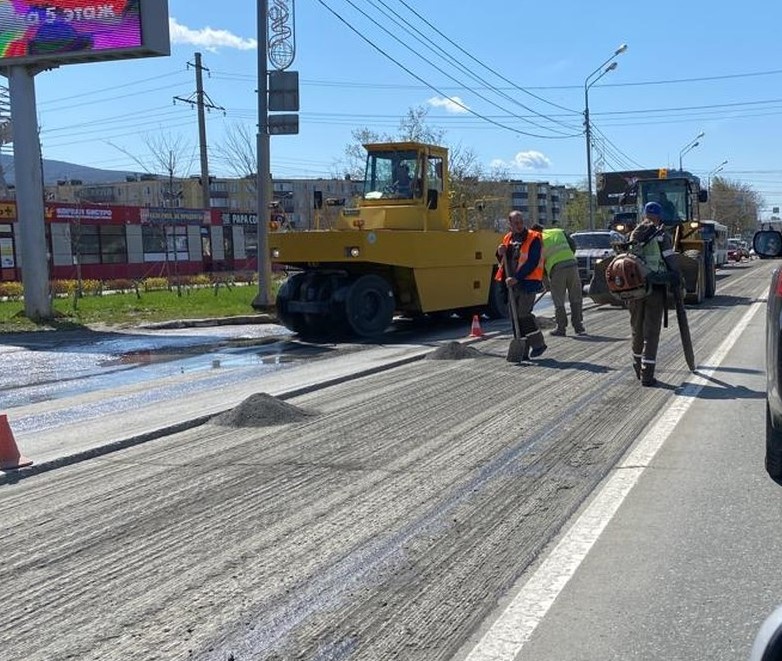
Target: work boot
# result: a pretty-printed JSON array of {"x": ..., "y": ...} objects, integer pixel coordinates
[
  {"x": 637, "y": 368},
  {"x": 647, "y": 375},
  {"x": 537, "y": 351},
  {"x": 558, "y": 332},
  {"x": 580, "y": 330}
]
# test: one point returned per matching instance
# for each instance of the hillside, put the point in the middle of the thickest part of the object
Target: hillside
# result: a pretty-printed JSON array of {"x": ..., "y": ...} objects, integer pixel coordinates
[{"x": 59, "y": 170}]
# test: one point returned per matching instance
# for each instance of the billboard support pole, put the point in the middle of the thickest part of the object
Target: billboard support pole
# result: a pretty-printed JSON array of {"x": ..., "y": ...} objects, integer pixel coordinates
[
  {"x": 263, "y": 300},
  {"x": 28, "y": 176}
]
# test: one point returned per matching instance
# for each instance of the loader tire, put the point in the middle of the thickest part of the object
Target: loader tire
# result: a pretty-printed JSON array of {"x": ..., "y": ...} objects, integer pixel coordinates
[{"x": 698, "y": 295}]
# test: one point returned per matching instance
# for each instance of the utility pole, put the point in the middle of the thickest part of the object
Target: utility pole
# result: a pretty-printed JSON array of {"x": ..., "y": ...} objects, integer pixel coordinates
[
  {"x": 202, "y": 103},
  {"x": 6, "y": 136}
]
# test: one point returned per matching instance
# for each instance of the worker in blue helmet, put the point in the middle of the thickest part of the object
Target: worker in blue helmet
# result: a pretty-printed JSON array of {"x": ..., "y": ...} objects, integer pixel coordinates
[{"x": 653, "y": 245}]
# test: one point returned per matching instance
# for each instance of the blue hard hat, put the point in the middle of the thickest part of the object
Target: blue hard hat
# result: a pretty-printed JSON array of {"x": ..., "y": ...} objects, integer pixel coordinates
[{"x": 653, "y": 209}]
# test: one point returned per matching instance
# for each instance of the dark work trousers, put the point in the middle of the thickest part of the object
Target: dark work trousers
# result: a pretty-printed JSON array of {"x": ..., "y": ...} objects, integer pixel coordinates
[
  {"x": 646, "y": 319},
  {"x": 565, "y": 283},
  {"x": 528, "y": 325}
]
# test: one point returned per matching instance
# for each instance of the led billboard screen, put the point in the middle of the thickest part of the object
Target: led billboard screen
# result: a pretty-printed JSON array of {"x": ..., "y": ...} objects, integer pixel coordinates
[{"x": 62, "y": 31}]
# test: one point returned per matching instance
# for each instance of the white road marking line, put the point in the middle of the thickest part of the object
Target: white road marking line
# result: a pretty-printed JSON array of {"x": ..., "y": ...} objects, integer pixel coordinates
[{"x": 514, "y": 627}]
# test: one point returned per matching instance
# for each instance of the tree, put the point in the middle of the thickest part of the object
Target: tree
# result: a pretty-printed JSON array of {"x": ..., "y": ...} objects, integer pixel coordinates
[
  {"x": 355, "y": 157},
  {"x": 734, "y": 204},
  {"x": 576, "y": 215},
  {"x": 168, "y": 154},
  {"x": 239, "y": 153}
]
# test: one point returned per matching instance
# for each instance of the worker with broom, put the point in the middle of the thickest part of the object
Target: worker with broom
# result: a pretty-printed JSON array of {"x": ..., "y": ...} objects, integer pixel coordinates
[{"x": 521, "y": 267}]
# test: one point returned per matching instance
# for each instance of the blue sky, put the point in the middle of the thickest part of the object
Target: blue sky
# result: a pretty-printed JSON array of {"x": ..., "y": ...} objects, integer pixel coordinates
[{"x": 689, "y": 68}]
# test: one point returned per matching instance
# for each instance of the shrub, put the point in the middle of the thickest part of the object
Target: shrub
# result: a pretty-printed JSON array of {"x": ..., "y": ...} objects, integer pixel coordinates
[
  {"x": 63, "y": 287},
  {"x": 248, "y": 277},
  {"x": 11, "y": 290},
  {"x": 151, "y": 284},
  {"x": 92, "y": 287},
  {"x": 119, "y": 284}
]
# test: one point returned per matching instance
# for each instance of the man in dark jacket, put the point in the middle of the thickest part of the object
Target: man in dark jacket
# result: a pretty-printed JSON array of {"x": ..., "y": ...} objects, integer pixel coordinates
[{"x": 653, "y": 245}]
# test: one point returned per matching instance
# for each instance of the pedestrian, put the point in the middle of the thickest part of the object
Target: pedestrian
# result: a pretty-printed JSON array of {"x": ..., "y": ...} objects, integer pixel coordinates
[
  {"x": 561, "y": 269},
  {"x": 653, "y": 245},
  {"x": 524, "y": 248}
]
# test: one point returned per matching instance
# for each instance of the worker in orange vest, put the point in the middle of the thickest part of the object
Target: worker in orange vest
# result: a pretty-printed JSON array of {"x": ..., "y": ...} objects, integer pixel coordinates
[{"x": 524, "y": 248}]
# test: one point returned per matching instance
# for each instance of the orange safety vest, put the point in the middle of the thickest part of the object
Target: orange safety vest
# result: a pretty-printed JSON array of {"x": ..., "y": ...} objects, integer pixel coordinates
[{"x": 537, "y": 272}]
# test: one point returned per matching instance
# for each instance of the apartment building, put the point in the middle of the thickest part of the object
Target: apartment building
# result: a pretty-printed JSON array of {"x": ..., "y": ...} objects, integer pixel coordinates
[
  {"x": 540, "y": 202},
  {"x": 300, "y": 200},
  {"x": 305, "y": 203}
]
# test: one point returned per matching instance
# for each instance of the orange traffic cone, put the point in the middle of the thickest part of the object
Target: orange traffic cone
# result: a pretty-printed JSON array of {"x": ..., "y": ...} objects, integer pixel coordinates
[
  {"x": 476, "y": 330},
  {"x": 10, "y": 457}
]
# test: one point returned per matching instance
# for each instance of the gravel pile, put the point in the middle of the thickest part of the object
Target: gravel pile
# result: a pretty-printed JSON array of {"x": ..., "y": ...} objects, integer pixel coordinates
[
  {"x": 454, "y": 351},
  {"x": 261, "y": 410}
]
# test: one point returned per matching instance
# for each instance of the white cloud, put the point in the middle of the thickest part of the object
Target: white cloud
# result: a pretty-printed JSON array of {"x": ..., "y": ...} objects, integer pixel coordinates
[
  {"x": 451, "y": 104},
  {"x": 524, "y": 160},
  {"x": 208, "y": 38}
]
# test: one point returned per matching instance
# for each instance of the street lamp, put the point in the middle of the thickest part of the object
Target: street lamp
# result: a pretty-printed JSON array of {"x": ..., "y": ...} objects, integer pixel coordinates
[
  {"x": 692, "y": 144},
  {"x": 716, "y": 170},
  {"x": 591, "y": 79},
  {"x": 712, "y": 173}
]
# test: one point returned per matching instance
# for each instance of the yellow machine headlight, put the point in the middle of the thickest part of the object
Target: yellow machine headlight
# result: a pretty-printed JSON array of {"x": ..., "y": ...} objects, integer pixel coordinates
[
  {"x": 694, "y": 224},
  {"x": 620, "y": 228},
  {"x": 354, "y": 252},
  {"x": 275, "y": 253}
]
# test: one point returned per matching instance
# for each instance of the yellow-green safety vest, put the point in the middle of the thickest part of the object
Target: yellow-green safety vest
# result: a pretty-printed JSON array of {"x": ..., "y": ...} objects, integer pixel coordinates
[
  {"x": 651, "y": 253},
  {"x": 555, "y": 248}
]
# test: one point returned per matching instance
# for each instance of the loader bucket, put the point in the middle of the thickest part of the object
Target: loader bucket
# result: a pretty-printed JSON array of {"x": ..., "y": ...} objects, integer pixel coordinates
[{"x": 598, "y": 287}]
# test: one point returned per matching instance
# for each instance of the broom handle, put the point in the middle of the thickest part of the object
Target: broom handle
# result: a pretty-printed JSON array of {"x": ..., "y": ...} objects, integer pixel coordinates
[{"x": 511, "y": 299}]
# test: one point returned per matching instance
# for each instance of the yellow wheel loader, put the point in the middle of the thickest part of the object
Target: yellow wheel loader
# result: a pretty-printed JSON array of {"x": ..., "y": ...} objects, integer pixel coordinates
[
  {"x": 396, "y": 252},
  {"x": 679, "y": 193}
]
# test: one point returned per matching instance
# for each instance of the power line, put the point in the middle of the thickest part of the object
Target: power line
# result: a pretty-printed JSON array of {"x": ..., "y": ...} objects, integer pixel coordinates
[
  {"x": 112, "y": 88},
  {"x": 460, "y": 66},
  {"x": 616, "y": 149},
  {"x": 158, "y": 112},
  {"x": 393, "y": 86},
  {"x": 114, "y": 98},
  {"x": 485, "y": 66},
  {"x": 430, "y": 86}
]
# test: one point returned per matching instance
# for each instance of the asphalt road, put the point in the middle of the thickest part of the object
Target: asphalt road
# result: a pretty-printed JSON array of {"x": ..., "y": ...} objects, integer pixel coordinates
[{"x": 400, "y": 519}]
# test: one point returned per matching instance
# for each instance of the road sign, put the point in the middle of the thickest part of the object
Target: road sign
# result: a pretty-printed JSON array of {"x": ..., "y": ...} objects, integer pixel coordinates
[{"x": 283, "y": 124}]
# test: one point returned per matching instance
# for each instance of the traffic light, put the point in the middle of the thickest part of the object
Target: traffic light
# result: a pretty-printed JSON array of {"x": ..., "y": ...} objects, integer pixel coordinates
[{"x": 662, "y": 173}]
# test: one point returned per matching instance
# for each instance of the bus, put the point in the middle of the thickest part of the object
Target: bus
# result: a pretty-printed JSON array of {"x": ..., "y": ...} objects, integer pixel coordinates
[{"x": 718, "y": 233}]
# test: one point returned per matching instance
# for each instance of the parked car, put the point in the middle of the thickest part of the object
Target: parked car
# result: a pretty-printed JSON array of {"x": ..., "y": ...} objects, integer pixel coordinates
[
  {"x": 768, "y": 243},
  {"x": 592, "y": 247},
  {"x": 737, "y": 250}
]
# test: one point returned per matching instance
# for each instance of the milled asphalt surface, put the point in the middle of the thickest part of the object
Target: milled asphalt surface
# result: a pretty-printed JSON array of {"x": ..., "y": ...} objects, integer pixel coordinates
[
  {"x": 61, "y": 432},
  {"x": 388, "y": 526}
]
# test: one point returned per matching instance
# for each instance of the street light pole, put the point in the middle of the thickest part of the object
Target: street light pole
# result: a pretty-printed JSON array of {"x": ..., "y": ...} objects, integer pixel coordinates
[
  {"x": 692, "y": 144},
  {"x": 708, "y": 185},
  {"x": 602, "y": 70},
  {"x": 715, "y": 171}
]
